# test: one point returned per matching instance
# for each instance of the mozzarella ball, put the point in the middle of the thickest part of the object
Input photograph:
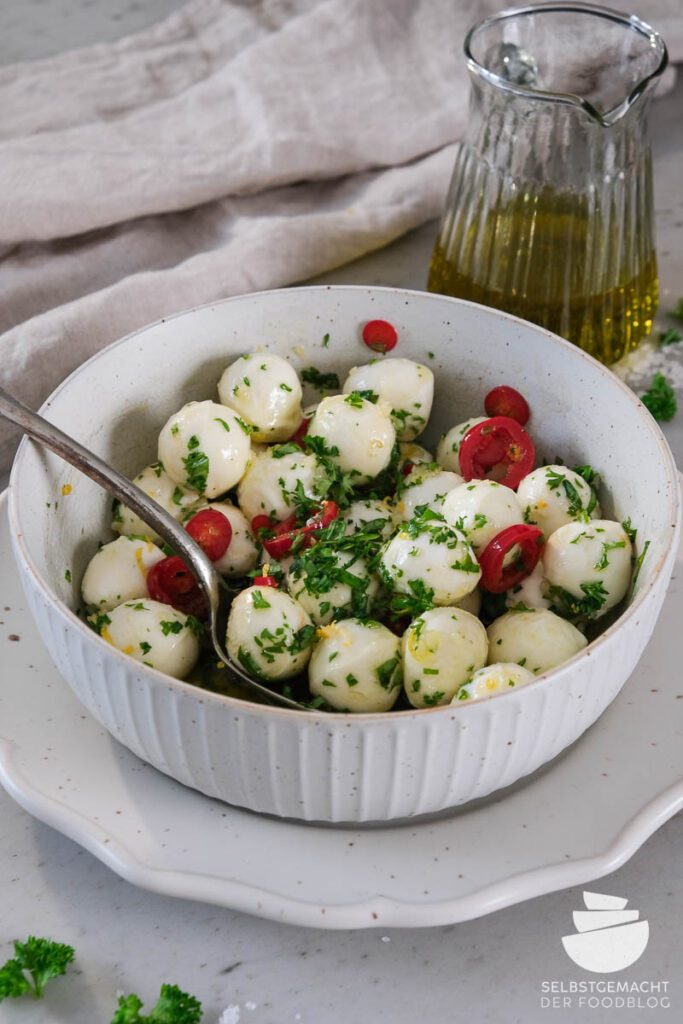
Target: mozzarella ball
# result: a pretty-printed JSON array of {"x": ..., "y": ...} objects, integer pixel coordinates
[
  {"x": 414, "y": 454},
  {"x": 206, "y": 447},
  {"x": 481, "y": 509},
  {"x": 243, "y": 551},
  {"x": 537, "y": 640},
  {"x": 356, "y": 666},
  {"x": 590, "y": 560},
  {"x": 448, "y": 448},
  {"x": 118, "y": 572},
  {"x": 408, "y": 388},
  {"x": 442, "y": 648},
  {"x": 424, "y": 487},
  {"x": 358, "y": 434},
  {"x": 332, "y": 583},
  {"x": 531, "y": 592},
  {"x": 545, "y": 501},
  {"x": 265, "y": 390},
  {"x": 268, "y": 486},
  {"x": 155, "y": 635},
  {"x": 157, "y": 485},
  {"x": 430, "y": 557},
  {"x": 269, "y": 634},
  {"x": 487, "y": 682},
  {"x": 360, "y": 513}
]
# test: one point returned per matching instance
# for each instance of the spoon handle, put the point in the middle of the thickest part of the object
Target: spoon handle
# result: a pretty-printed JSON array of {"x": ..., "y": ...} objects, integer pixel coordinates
[
  {"x": 116, "y": 483},
  {"x": 91, "y": 465}
]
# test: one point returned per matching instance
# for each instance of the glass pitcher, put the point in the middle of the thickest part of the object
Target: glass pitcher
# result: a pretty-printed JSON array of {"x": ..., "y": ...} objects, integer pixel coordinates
[{"x": 550, "y": 213}]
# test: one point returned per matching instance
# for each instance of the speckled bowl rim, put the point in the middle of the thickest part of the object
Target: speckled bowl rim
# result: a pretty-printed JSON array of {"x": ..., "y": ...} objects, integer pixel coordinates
[{"x": 190, "y": 689}]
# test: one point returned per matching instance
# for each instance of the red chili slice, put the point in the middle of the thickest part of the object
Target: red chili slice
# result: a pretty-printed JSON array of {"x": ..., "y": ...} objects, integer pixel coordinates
[
  {"x": 497, "y": 577},
  {"x": 301, "y": 431},
  {"x": 280, "y": 538},
  {"x": 497, "y": 449},
  {"x": 505, "y": 401},
  {"x": 407, "y": 468},
  {"x": 265, "y": 581},
  {"x": 171, "y": 582},
  {"x": 212, "y": 531},
  {"x": 380, "y": 335}
]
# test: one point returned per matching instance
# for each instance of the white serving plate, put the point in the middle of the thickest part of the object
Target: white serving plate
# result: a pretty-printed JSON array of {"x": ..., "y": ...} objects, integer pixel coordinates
[{"x": 578, "y": 819}]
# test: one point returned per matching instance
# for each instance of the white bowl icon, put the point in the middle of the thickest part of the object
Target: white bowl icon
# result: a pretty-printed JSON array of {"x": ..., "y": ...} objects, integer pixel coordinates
[
  {"x": 599, "y": 901},
  {"x": 608, "y": 949},
  {"x": 592, "y": 920}
]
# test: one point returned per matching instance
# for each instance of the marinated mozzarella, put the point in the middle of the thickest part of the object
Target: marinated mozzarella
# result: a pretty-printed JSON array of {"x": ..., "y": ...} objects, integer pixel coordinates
[
  {"x": 356, "y": 666},
  {"x": 427, "y": 558},
  {"x": 442, "y": 648},
  {"x": 332, "y": 584},
  {"x": 481, "y": 509},
  {"x": 271, "y": 481},
  {"x": 243, "y": 551},
  {"x": 493, "y": 679},
  {"x": 537, "y": 639},
  {"x": 206, "y": 447},
  {"x": 118, "y": 572},
  {"x": 448, "y": 448},
  {"x": 269, "y": 634},
  {"x": 424, "y": 486},
  {"x": 411, "y": 454},
  {"x": 155, "y": 635},
  {"x": 552, "y": 496},
  {"x": 358, "y": 434},
  {"x": 265, "y": 390},
  {"x": 590, "y": 562},
  {"x": 361, "y": 512},
  {"x": 408, "y": 387},
  {"x": 157, "y": 484},
  {"x": 531, "y": 592}
]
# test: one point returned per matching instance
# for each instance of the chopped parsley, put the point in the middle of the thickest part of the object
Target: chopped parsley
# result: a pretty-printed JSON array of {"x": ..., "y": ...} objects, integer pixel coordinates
[
  {"x": 259, "y": 601},
  {"x": 670, "y": 337},
  {"x": 145, "y": 647},
  {"x": 285, "y": 387},
  {"x": 351, "y": 679},
  {"x": 320, "y": 381},
  {"x": 170, "y": 626},
  {"x": 607, "y": 546},
  {"x": 196, "y": 464},
  {"x": 67, "y": 575},
  {"x": 218, "y": 419},
  {"x": 432, "y": 699},
  {"x": 387, "y": 674},
  {"x": 629, "y": 530},
  {"x": 326, "y": 340},
  {"x": 571, "y": 607},
  {"x": 660, "y": 398},
  {"x": 246, "y": 427}
]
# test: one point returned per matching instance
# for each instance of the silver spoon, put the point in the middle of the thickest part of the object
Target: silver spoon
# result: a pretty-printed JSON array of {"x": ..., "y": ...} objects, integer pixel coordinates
[{"x": 211, "y": 582}]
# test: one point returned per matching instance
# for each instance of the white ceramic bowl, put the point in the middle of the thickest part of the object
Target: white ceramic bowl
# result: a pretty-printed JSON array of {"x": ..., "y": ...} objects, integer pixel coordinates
[{"x": 322, "y": 766}]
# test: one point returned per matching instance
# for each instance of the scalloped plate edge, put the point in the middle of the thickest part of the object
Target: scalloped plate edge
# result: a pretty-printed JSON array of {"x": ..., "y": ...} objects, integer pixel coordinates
[{"x": 379, "y": 912}]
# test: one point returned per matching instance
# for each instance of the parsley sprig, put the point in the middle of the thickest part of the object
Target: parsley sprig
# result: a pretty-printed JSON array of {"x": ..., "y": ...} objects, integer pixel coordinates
[
  {"x": 35, "y": 962},
  {"x": 660, "y": 398}
]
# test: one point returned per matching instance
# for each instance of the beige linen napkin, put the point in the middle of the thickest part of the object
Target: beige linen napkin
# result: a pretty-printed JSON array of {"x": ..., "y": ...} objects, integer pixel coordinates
[{"x": 236, "y": 146}]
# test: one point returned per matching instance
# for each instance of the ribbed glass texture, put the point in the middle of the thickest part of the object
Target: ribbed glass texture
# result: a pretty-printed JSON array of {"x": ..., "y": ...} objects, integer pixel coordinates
[{"x": 550, "y": 209}]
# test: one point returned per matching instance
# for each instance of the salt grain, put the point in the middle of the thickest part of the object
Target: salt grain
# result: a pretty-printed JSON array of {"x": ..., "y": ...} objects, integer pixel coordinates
[
  {"x": 639, "y": 367},
  {"x": 230, "y": 1015}
]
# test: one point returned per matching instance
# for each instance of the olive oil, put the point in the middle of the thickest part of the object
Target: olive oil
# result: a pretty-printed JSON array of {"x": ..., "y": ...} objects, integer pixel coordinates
[{"x": 548, "y": 258}]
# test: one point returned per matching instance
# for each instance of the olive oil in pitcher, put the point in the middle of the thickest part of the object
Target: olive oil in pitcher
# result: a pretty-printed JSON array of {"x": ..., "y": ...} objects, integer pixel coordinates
[{"x": 550, "y": 210}]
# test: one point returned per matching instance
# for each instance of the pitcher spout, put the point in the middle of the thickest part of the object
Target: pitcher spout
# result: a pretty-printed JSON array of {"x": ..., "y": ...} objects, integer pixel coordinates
[{"x": 592, "y": 58}]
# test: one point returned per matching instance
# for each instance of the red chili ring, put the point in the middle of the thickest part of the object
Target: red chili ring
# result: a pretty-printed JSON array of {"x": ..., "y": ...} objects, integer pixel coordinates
[
  {"x": 505, "y": 401},
  {"x": 497, "y": 578},
  {"x": 497, "y": 449}
]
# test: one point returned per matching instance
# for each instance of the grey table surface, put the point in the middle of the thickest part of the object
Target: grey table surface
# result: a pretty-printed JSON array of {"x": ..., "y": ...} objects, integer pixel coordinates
[{"x": 488, "y": 970}]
